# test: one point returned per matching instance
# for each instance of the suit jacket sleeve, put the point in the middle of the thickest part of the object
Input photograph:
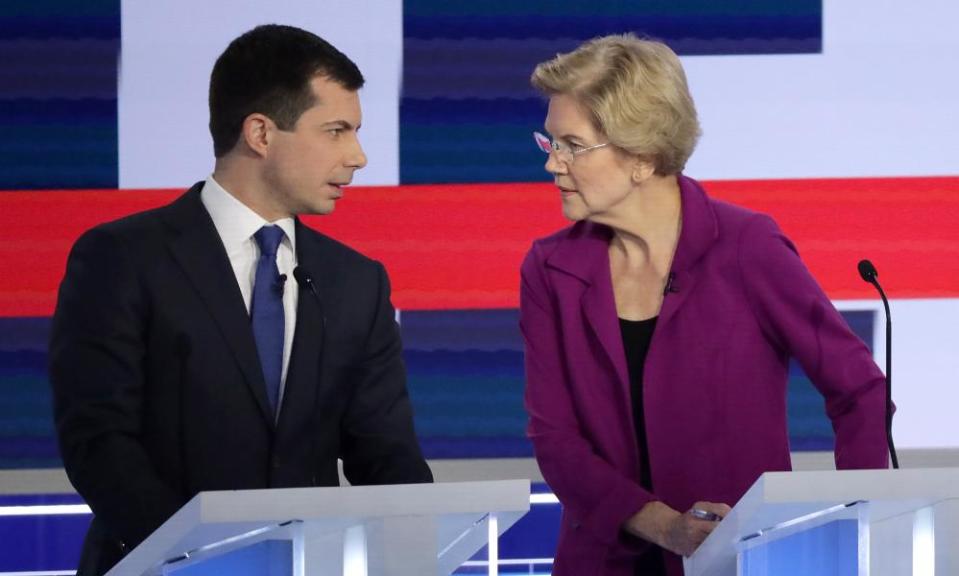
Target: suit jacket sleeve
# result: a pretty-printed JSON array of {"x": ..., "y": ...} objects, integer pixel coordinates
[
  {"x": 379, "y": 445},
  {"x": 96, "y": 370},
  {"x": 597, "y": 497},
  {"x": 797, "y": 316}
]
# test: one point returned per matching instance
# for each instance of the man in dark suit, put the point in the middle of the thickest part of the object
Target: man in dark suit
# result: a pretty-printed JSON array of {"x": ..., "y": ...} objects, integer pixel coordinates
[{"x": 185, "y": 357}]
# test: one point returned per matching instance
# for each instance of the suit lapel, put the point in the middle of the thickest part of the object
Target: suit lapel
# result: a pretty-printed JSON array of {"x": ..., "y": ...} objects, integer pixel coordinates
[
  {"x": 197, "y": 248},
  {"x": 303, "y": 373}
]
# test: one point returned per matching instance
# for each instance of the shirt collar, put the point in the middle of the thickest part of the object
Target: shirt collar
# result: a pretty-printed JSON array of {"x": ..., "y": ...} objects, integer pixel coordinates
[{"x": 235, "y": 222}]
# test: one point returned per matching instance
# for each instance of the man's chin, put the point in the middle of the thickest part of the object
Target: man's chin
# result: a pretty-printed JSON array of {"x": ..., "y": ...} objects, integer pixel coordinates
[{"x": 319, "y": 208}]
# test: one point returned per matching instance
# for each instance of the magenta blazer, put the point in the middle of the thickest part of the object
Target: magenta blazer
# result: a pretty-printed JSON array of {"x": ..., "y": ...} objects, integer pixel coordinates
[{"x": 742, "y": 303}]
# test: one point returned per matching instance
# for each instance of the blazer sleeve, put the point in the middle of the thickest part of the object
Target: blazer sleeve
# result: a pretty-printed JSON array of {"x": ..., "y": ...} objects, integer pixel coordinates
[
  {"x": 597, "y": 497},
  {"x": 96, "y": 371},
  {"x": 796, "y": 315},
  {"x": 379, "y": 444}
]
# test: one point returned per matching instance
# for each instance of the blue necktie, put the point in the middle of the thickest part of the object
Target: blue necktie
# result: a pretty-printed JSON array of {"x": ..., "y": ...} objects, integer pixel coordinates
[{"x": 266, "y": 311}]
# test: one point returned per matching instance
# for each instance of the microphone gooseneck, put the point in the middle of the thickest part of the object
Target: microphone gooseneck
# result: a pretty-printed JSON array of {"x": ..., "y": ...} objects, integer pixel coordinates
[{"x": 869, "y": 274}]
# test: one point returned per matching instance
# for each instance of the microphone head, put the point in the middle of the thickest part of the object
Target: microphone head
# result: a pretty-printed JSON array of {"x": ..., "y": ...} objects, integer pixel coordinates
[
  {"x": 302, "y": 276},
  {"x": 867, "y": 271}
]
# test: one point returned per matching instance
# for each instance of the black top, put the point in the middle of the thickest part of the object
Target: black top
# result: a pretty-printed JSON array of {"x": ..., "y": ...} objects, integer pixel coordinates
[{"x": 637, "y": 334}]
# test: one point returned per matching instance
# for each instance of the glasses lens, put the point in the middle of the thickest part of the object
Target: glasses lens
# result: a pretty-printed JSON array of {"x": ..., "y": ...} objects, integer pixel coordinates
[{"x": 543, "y": 143}]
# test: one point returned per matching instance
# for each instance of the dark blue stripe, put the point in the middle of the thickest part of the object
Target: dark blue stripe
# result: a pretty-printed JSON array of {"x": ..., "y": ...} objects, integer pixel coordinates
[
  {"x": 27, "y": 437},
  {"x": 578, "y": 7},
  {"x": 24, "y": 334},
  {"x": 26, "y": 453},
  {"x": 39, "y": 499},
  {"x": 461, "y": 330},
  {"x": 62, "y": 55},
  {"x": 44, "y": 19},
  {"x": 58, "y": 68},
  {"x": 471, "y": 140},
  {"x": 682, "y": 32},
  {"x": 447, "y": 112},
  {"x": 60, "y": 144},
  {"x": 465, "y": 363},
  {"x": 58, "y": 111},
  {"x": 22, "y": 363},
  {"x": 812, "y": 443},
  {"x": 60, "y": 26},
  {"x": 438, "y": 447}
]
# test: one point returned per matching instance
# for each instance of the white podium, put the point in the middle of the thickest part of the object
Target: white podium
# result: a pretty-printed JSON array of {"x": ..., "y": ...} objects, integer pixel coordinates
[
  {"x": 848, "y": 523},
  {"x": 411, "y": 529}
]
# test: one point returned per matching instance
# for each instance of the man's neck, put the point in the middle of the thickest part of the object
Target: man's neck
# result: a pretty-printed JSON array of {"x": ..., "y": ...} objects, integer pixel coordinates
[{"x": 243, "y": 181}]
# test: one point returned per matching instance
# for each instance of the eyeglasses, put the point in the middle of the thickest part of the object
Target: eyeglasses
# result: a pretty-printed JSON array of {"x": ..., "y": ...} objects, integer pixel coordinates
[{"x": 565, "y": 152}]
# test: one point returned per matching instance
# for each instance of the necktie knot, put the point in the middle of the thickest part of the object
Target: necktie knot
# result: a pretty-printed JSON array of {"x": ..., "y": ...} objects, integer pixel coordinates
[{"x": 268, "y": 238}]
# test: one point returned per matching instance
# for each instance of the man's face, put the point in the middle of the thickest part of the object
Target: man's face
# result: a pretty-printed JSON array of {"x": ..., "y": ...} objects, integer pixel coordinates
[{"x": 307, "y": 167}]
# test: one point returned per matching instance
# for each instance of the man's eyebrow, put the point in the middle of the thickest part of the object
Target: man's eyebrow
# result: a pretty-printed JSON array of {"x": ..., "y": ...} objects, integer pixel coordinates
[{"x": 342, "y": 124}]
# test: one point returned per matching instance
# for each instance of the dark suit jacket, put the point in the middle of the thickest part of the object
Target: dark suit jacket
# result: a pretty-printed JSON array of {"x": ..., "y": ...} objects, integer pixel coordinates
[{"x": 158, "y": 390}]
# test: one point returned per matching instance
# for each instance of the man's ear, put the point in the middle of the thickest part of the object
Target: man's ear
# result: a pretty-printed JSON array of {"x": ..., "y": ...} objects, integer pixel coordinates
[{"x": 257, "y": 132}]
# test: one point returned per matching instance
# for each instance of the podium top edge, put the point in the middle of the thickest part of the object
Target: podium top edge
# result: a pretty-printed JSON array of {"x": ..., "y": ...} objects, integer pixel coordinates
[
  {"x": 840, "y": 485},
  {"x": 358, "y": 501}
]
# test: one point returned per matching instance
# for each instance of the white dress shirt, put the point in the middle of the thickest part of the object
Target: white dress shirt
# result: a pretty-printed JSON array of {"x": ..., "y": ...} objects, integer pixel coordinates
[{"x": 236, "y": 224}]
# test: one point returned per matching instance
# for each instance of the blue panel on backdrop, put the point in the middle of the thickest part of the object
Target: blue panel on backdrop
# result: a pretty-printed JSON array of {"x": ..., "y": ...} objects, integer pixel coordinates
[
  {"x": 27, "y": 438},
  {"x": 58, "y": 94},
  {"x": 466, "y": 381},
  {"x": 459, "y": 55},
  {"x": 465, "y": 376},
  {"x": 809, "y": 427}
]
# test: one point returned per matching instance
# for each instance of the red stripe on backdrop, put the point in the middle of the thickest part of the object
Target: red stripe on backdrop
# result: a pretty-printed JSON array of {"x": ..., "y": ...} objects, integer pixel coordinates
[{"x": 460, "y": 246}]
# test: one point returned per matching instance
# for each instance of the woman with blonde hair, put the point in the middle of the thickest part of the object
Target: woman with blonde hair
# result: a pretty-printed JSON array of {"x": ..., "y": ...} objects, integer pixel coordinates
[{"x": 659, "y": 326}]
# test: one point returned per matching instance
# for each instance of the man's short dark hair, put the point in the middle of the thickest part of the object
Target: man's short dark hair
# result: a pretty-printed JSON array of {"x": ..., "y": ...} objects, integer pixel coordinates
[{"x": 268, "y": 70}]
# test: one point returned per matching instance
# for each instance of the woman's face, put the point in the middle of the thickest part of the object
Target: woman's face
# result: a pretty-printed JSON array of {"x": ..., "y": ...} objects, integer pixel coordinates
[{"x": 595, "y": 183}]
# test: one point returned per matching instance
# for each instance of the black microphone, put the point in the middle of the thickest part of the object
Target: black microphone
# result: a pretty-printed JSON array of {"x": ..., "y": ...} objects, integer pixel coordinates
[
  {"x": 669, "y": 288},
  {"x": 280, "y": 283},
  {"x": 868, "y": 273},
  {"x": 305, "y": 280}
]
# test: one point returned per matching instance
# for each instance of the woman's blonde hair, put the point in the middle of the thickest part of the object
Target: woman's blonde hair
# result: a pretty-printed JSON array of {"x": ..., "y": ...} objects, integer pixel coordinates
[{"x": 636, "y": 92}]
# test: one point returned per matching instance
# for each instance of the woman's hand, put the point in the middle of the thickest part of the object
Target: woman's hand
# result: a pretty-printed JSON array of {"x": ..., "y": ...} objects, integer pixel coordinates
[{"x": 678, "y": 533}]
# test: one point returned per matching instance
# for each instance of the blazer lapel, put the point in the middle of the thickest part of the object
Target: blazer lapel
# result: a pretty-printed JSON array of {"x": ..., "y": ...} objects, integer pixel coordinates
[
  {"x": 584, "y": 256},
  {"x": 197, "y": 248},
  {"x": 700, "y": 230}
]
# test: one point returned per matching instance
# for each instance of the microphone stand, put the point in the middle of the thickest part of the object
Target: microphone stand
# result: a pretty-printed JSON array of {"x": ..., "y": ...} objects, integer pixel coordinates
[{"x": 869, "y": 274}]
